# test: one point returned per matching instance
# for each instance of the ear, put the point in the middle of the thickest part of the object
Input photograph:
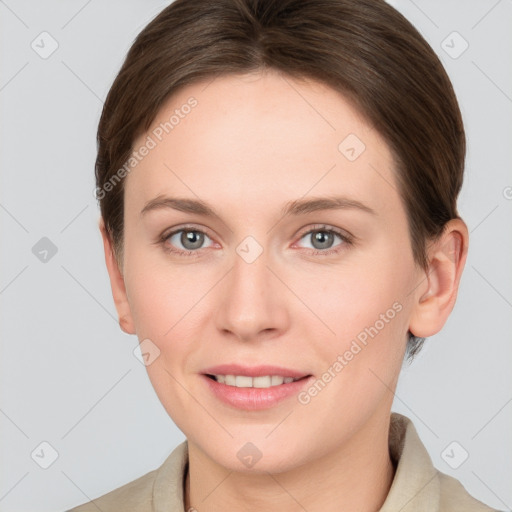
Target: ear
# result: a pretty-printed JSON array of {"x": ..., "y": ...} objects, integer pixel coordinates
[
  {"x": 117, "y": 283},
  {"x": 436, "y": 296}
]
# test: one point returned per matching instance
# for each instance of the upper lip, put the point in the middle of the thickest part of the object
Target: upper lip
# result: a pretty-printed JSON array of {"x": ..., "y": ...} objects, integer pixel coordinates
[{"x": 253, "y": 371}]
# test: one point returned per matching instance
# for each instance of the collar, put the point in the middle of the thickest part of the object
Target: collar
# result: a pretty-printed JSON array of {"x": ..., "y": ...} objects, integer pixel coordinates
[{"x": 416, "y": 484}]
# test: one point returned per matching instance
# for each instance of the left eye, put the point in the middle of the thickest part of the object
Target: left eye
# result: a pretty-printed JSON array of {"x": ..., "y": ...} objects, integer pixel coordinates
[
  {"x": 190, "y": 239},
  {"x": 322, "y": 239}
]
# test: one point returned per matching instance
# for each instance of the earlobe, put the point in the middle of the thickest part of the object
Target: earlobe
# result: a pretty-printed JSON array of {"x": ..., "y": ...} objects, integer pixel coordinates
[
  {"x": 117, "y": 283},
  {"x": 447, "y": 257}
]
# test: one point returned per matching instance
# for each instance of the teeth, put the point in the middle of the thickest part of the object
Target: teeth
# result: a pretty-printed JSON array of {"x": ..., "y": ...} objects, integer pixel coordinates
[{"x": 243, "y": 381}]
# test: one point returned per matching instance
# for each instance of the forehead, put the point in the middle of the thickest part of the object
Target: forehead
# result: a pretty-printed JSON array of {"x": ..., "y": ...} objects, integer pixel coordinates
[{"x": 263, "y": 137}]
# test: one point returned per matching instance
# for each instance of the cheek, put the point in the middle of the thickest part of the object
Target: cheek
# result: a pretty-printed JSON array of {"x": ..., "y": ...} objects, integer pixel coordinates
[
  {"x": 367, "y": 306},
  {"x": 163, "y": 296},
  {"x": 152, "y": 303},
  {"x": 170, "y": 304},
  {"x": 363, "y": 360},
  {"x": 165, "y": 301},
  {"x": 371, "y": 293}
]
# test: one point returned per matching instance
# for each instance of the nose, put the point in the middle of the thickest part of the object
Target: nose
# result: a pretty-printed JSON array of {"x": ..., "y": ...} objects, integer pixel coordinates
[{"x": 252, "y": 301}]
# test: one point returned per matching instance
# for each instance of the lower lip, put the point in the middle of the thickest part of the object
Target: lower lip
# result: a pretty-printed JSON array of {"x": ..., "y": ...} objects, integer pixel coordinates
[{"x": 253, "y": 399}]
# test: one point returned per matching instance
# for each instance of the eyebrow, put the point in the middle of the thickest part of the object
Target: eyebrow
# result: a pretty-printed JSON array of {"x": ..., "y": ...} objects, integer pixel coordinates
[
  {"x": 304, "y": 206},
  {"x": 297, "y": 207}
]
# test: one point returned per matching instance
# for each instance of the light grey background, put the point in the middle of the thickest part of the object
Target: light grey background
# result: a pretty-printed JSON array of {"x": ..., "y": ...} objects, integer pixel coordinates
[{"x": 68, "y": 374}]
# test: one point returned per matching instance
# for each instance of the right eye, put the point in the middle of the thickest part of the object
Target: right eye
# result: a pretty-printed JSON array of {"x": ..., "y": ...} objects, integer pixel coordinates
[{"x": 185, "y": 241}]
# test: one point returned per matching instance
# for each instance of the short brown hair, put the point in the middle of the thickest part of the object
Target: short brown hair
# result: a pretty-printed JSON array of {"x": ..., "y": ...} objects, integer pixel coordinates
[{"x": 364, "y": 49}]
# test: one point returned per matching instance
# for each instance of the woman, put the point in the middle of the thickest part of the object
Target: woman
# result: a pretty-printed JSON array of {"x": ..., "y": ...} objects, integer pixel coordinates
[{"x": 278, "y": 184}]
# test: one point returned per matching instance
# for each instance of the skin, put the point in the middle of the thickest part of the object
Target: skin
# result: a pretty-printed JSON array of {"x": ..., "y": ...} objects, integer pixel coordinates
[{"x": 253, "y": 144}]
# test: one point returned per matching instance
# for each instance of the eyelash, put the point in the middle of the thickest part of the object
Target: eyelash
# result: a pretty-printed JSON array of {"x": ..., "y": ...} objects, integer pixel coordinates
[{"x": 346, "y": 239}]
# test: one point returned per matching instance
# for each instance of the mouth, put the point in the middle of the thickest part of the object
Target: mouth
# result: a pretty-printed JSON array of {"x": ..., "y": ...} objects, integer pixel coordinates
[
  {"x": 253, "y": 388},
  {"x": 254, "y": 393},
  {"x": 261, "y": 381}
]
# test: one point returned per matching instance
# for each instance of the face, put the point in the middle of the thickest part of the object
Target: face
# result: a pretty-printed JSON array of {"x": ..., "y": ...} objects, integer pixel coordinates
[{"x": 289, "y": 247}]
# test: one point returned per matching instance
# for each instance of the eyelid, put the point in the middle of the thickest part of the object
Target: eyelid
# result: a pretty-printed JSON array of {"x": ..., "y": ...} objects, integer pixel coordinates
[{"x": 184, "y": 227}]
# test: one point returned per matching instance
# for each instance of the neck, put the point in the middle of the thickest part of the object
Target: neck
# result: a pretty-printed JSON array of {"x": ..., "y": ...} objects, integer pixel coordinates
[{"x": 354, "y": 477}]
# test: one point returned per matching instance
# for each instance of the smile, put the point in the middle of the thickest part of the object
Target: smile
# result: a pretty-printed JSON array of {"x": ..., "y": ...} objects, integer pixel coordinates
[{"x": 244, "y": 381}]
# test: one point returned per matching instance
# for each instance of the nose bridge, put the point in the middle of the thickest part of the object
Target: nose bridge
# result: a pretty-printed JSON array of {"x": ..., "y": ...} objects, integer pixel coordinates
[
  {"x": 251, "y": 302},
  {"x": 250, "y": 276}
]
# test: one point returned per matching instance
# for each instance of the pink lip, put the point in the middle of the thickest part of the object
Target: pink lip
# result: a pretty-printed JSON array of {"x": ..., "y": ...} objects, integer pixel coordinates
[
  {"x": 254, "y": 371},
  {"x": 252, "y": 399}
]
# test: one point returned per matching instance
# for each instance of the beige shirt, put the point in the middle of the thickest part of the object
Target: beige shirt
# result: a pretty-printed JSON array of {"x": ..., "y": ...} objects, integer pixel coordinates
[{"x": 417, "y": 484}]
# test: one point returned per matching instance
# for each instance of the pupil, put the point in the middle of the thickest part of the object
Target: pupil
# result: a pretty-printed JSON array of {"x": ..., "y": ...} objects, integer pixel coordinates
[{"x": 324, "y": 239}]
